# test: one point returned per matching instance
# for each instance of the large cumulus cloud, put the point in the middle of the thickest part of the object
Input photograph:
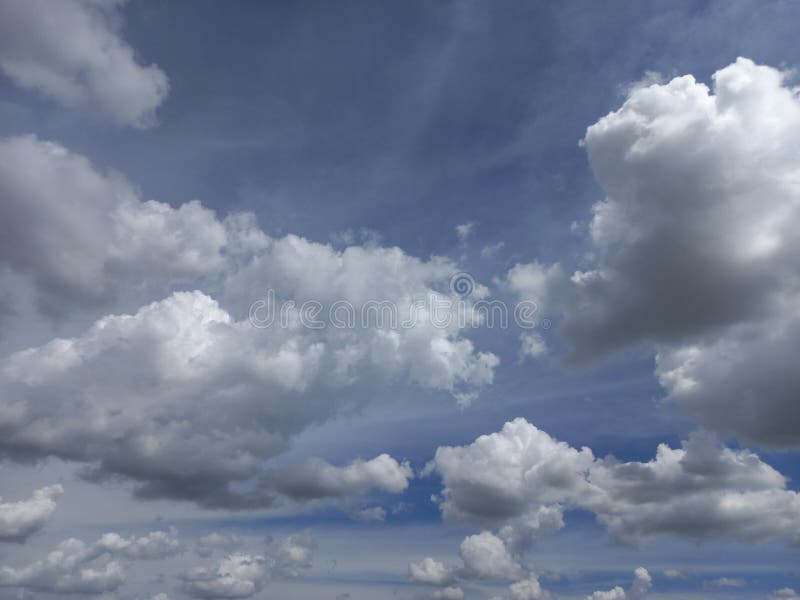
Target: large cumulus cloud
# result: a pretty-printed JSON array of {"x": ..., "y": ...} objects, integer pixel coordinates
[
  {"x": 701, "y": 490},
  {"x": 242, "y": 574},
  {"x": 694, "y": 247}
]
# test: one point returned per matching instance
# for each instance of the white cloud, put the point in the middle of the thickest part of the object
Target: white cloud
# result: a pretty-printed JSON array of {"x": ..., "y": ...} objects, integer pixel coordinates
[
  {"x": 483, "y": 556},
  {"x": 71, "y": 51},
  {"x": 375, "y": 514},
  {"x": 317, "y": 478},
  {"x": 509, "y": 473},
  {"x": 638, "y": 590},
  {"x": 242, "y": 575},
  {"x": 615, "y": 593},
  {"x": 292, "y": 554},
  {"x": 82, "y": 236},
  {"x": 188, "y": 356},
  {"x": 694, "y": 247},
  {"x": 727, "y": 582},
  {"x": 784, "y": 594},
  {"x": 19, "y": 520},
  {"x": 430, "y": 571},
  {"x": 700, "y": 490},
  {"x": 486, "y": 556},
  {"x": 156, "y": 544},
  {"x": 464, "y": 230},
  {"x": 742, "y": 381},
  {"x": 449, "y": 593},
  {"x": 527, "y": 589},
  {"x": 206, "y": 545},
  {"x": 236, "y": 576},
  {"x": 75, "y": 567},
  {"x": 492, "y": 249},
  {"x": 674, "y": 574}
]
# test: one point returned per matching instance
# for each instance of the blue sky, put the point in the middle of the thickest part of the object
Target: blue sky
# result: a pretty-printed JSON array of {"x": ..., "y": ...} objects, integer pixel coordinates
[{"x": 371, "y": 131}]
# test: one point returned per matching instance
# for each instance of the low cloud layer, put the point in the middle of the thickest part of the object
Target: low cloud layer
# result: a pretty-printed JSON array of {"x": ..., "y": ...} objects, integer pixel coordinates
[
  {"x": 76, "y": 567},
  {"x": 140, "y": 394},
  {"x": 638, "y": 590},
  {"x": 243, "y": 575}
]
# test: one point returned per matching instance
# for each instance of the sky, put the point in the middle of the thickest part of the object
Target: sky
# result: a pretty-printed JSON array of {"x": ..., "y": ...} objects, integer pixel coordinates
[{"x": 371, "y": 300}]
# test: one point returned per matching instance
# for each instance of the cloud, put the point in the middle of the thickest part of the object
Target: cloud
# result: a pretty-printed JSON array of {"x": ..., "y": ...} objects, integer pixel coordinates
[
  {"x": 375, "y": 514},
  {"x": 784, "y": 594},
  {"x": 72, "y": 52},
  {"x": 81, "y": 236},
  {"x": 638, "y": 590},
  {"x": 19, "y": 520},
  {"x": 674, "y": 574},
  {"x": 156, "y": 544},
  {"x": 449, "y": 593},
  {"x": 532, "y": 345},
  {"x": 694, "y": 248},
  {"x": 505, "y": 474},
  {"x": 139, "y": 395},
  {"x": 727, "y": 582},
  {"x": 208, "y": 544},
  {"x": 430, "y": 571},
  {"x": 242, "y": 575},
  {"x": 464, "y": 230},
  {"x": 492, "y": 249},
  {"x": 236, "y": 576},
  {"x": 527, "y": 589},
  {"x": 485, "y": 556},
  {"x": 293, "y": 554},
  {"x": 317, "y": 478},
  {"x": 75, "y": 567},
  {"x": 740, "y": 382},
  {"x": 701, "y": 490}
]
